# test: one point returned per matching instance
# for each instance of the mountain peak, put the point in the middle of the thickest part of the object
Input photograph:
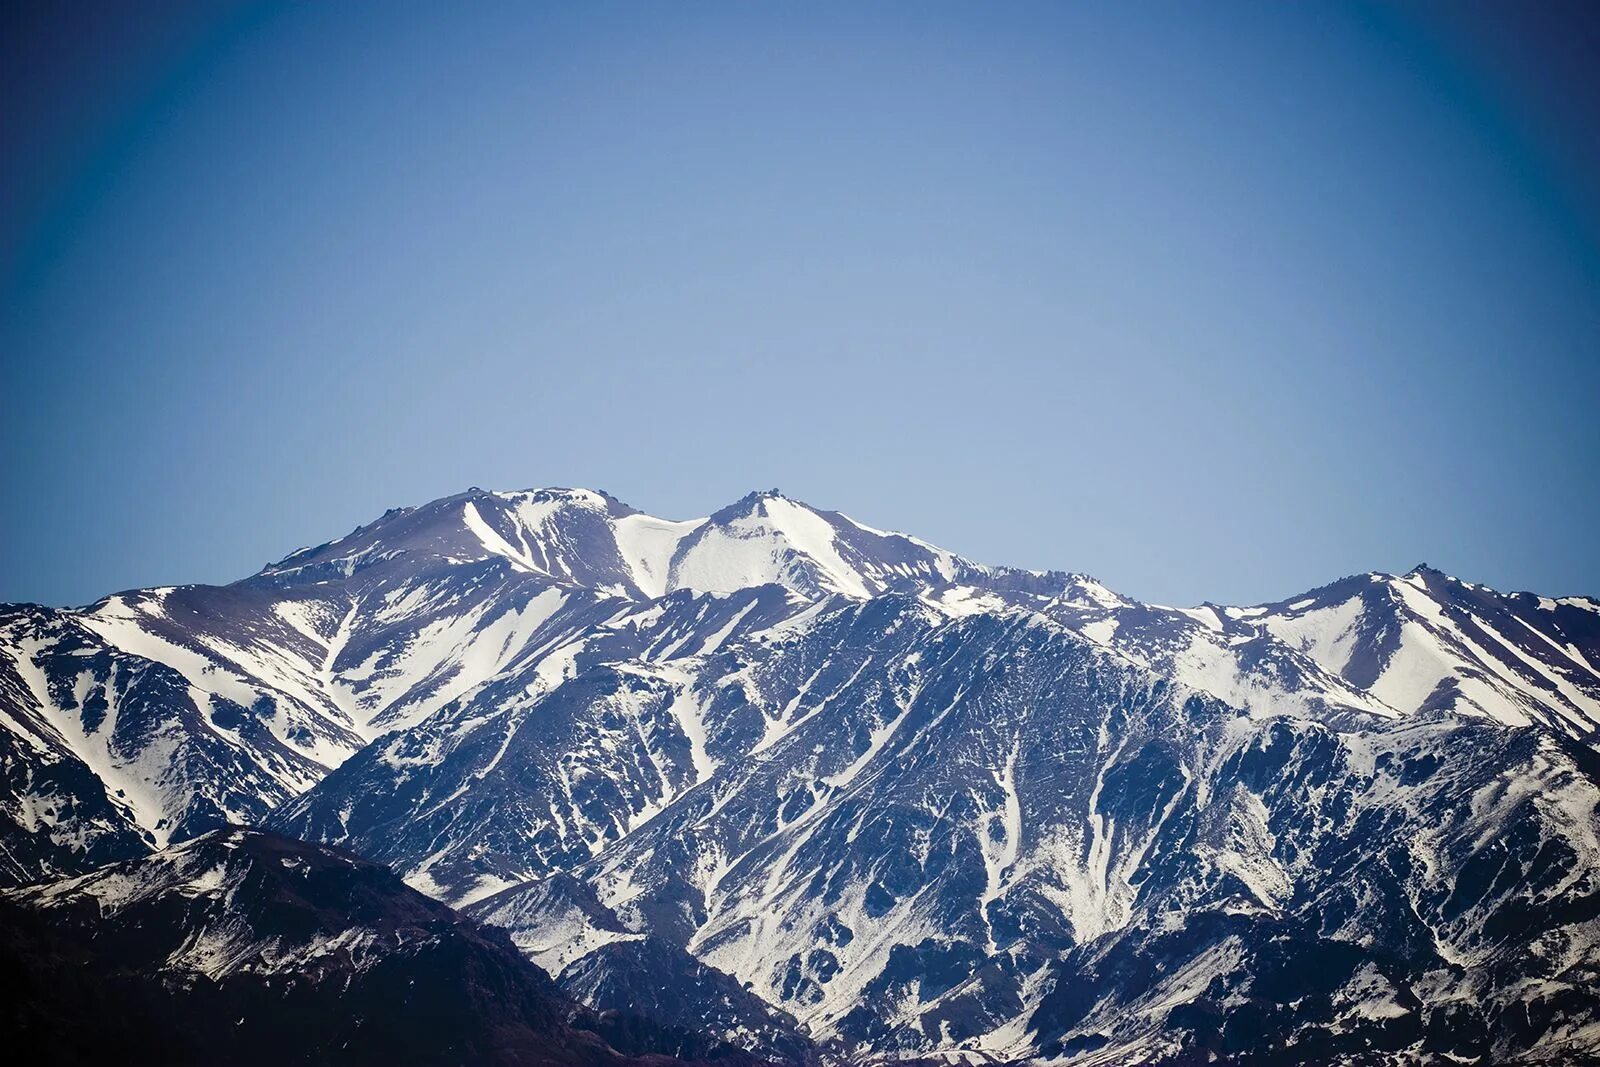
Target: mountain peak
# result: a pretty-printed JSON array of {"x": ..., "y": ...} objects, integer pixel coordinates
[
  {"x": 585, "y": 537},
  {"x": 560, "y": 494}
]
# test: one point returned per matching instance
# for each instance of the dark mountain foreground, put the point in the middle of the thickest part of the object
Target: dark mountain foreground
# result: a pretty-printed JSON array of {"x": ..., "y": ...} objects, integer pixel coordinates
[{"x": 244, "y": 947}]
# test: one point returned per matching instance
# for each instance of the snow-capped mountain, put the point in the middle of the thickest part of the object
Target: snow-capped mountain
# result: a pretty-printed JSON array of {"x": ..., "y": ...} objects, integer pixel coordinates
[
  {"x": 906, "y": 802},
  {"x": 1379, "y": 643}
]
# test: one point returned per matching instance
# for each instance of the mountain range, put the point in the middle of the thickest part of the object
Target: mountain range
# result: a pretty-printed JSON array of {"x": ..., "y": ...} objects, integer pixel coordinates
[{"x": 820, "y": 790}]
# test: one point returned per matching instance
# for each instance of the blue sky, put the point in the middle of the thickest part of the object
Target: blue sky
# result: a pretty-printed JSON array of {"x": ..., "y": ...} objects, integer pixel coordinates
[{"x": 1213, "y": 301}]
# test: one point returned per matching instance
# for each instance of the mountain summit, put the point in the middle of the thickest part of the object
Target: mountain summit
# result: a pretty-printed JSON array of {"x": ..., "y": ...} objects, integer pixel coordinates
[{"x": 589, "y": 539}]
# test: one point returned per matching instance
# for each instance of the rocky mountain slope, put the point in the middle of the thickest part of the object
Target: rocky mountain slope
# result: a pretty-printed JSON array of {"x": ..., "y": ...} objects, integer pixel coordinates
[
  {"x": 245, "y": 947},
  {"x": 843, "y": 782}
]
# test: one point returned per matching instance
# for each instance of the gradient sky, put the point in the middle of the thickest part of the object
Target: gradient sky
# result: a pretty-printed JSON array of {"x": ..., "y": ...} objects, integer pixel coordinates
[{"x": 1213, "y": 301}]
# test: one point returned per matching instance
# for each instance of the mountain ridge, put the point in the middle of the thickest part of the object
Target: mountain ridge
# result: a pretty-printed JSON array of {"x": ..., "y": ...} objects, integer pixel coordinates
[{"x": 845, "y": 767}]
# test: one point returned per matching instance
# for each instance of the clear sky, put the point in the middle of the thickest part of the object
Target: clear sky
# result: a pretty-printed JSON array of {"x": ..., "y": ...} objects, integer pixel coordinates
[{"x": 1212, "y": 301}]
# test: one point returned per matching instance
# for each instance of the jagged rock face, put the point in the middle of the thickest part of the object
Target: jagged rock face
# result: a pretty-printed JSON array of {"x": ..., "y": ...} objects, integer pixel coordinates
[
  {"x": 60, "y": 819},
  {"x": 245, "y": 947},
  {"x": 926, "y": 864},
  {"x": 1427, "y": 890},
  {"x": 656, "y": 979},
  {"x": 906, "y": 802}
]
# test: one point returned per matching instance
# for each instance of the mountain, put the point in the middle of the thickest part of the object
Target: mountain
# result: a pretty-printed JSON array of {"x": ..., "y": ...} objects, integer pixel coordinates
[
  {"x": 245, "y": 947},
  {"x": 836, "y": 785},
  {"x": 560, "y": 924},
  {"x": 1385, "y": 644}
]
